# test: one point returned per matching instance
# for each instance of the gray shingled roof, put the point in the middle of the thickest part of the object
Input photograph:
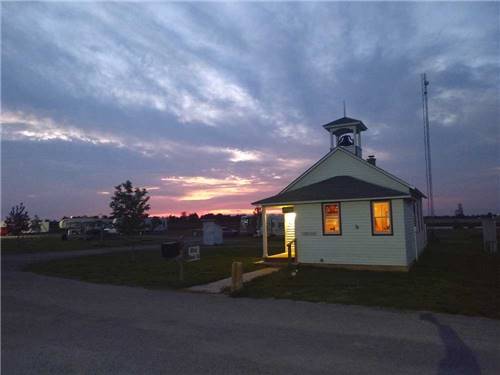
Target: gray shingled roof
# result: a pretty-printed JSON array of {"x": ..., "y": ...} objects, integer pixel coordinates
[
  {"x": 345, "y": 120},
  {"x": 335, "y": 188}
]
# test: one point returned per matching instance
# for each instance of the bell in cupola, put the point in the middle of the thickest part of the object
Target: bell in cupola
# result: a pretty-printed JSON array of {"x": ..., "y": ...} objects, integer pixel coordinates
[
  {"x": 346, "y": 140},
  {"x": 345, "y": 132}
]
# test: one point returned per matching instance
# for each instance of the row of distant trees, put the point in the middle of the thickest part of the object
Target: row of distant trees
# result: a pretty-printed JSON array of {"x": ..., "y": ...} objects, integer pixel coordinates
[{"x": 195, "y": 218}]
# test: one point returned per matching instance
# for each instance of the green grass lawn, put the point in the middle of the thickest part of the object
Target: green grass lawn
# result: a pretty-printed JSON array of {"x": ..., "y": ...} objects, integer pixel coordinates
[
  {"x": 150, "y": 270},
  {"x": 53, "y": 242},
  {"x": 453, "y": 275}
]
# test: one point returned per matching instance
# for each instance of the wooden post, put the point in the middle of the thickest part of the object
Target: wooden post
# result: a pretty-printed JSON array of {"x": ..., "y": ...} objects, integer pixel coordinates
[
  {"x": 236, "y": 276},
  {"x": 489, "y": 234},
  {"x": 264, "y": 233},
  {"x": 180, "y": 263},
  {"x": 289, "y": 248}
]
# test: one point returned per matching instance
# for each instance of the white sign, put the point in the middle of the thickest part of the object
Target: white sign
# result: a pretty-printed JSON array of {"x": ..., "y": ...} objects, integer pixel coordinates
[{"x": 193, "y": 253}]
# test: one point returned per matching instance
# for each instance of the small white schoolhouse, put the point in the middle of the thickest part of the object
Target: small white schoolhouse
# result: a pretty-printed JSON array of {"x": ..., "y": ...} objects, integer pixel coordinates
[{"x": 346, "y": 211}]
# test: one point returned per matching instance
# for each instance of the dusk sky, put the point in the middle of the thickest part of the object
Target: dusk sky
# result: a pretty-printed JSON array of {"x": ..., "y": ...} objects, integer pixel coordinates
[{"x": 212, "y": 106}]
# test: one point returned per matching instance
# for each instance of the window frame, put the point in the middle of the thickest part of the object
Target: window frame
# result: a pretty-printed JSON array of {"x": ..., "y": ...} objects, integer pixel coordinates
[
  {"x": 390, "y": 213},
  {"x": 323, "y": 218}
]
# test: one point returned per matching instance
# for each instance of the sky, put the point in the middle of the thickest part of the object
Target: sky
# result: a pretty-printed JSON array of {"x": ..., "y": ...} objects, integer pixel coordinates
[{"x": 211, "y": 106}]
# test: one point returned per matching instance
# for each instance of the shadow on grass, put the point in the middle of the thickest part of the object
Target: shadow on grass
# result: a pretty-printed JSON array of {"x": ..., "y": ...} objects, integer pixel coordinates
[{"x": 459, "y": 359}]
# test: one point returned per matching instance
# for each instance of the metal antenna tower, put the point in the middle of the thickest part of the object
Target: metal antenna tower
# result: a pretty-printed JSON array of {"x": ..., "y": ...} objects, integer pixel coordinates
[{"x": 427, "y": 144}]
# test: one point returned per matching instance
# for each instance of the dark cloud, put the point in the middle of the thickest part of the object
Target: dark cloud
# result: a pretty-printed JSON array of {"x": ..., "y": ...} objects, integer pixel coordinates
[{"x": 233, "y": 96}]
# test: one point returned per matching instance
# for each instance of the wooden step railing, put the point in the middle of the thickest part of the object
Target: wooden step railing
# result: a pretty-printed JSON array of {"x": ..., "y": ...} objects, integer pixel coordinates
[{"x": 289, "y": 250}]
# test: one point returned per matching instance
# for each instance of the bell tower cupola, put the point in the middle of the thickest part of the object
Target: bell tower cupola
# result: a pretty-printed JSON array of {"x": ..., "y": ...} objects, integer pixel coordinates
[{"x": 346, "y": 133}]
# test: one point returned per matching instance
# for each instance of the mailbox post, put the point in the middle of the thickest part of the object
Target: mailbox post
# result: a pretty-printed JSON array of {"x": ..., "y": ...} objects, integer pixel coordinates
[
  {"x": 173, "y": 251},
  {"x": 180, "y": 251}
]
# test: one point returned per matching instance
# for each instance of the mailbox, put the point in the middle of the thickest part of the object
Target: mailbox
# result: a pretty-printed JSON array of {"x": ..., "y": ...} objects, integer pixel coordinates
[{"x": 171, "y": 249}]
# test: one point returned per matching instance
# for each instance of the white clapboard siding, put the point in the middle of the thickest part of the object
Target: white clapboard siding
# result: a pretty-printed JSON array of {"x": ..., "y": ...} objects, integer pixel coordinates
[
  {"x": 341, "y": 164},
  {"x": 416, "y": 235},
  {"x": 356, "y": 245},
  {"x": 410, "y": 232}
]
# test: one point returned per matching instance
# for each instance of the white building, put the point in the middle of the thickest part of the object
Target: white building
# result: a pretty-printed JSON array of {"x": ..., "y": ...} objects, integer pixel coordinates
[
  {"x": 212, "y": 233},
  {"x": 345, "y": 211}
]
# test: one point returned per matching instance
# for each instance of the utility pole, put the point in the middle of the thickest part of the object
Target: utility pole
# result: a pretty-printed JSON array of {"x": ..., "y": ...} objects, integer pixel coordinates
[{"x": 427, "y": 145}]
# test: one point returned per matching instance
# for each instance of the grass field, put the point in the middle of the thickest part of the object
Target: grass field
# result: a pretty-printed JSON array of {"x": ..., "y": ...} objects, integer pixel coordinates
[
  {"x": 53, "y": 242},
  {"x": 453, "y": 275},
  {"x": 150, "y": 270}
]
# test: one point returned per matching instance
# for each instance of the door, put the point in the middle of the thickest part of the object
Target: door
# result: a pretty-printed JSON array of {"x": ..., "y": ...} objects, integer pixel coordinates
[{"x": 290, "y": 230}]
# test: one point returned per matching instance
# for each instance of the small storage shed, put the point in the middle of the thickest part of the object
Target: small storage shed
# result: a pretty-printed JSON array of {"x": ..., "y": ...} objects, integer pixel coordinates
[
  {"x": 212, "y": 233},
  {"x": 346, "y": 211}
]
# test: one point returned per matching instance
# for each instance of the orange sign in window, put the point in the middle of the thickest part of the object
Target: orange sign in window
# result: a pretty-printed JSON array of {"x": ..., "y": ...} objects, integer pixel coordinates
[
  {"x": 331, "y": 218},
  {"x": 381, "y": 217}
]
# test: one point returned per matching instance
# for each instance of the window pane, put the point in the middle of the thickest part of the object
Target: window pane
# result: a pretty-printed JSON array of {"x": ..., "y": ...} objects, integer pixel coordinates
[
  {"x": 382, "y": 225},
  {"x": 332, "y": 225},
  {"x": 332, "y": 209},
  {"x": 381, "y": 212},
  {"x": 331, "y": 217},
  {"x": 381, "y": 209}
]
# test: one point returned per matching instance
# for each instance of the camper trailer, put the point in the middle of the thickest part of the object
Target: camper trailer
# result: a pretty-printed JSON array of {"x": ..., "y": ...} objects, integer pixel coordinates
[{"x": 84, "y": 227}]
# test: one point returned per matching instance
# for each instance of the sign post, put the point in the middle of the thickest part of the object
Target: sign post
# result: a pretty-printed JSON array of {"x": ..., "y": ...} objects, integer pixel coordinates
[
  {"x": 180, "y": 252},
  {"x": 236, "y": 276}
]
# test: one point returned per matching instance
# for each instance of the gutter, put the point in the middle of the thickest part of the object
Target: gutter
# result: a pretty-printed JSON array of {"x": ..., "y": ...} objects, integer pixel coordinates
[{"x": 329, "y": 200}]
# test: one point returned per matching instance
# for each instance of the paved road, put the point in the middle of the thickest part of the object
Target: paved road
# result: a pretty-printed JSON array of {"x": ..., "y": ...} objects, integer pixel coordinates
[{"x": 56, "y": 326}]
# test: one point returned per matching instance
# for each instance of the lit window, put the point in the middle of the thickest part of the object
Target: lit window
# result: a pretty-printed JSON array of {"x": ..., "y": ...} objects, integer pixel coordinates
[
  {"x": 381, "y": 217},
  {"x": 331, "y": 218}
]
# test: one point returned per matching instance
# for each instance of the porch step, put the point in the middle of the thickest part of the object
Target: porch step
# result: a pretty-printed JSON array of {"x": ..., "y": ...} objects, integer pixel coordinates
[
  {"x": 278, "y": 262},
  {"x": 277, "y": 259}
]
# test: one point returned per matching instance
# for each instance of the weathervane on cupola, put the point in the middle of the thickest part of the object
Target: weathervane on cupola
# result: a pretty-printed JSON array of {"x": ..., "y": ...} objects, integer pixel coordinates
[{"x": 345, "y": 132}]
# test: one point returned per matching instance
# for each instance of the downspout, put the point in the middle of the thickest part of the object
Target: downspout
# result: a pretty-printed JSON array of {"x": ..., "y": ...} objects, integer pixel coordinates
[{"x": 415, "y": 213}]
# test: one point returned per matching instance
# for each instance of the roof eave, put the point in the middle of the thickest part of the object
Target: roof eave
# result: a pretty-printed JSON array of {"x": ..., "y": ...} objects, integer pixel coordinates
[
  {"x": 417, "y": 193},
  {"x": 271, "y": 204},
  {"x": 335, "y": 126}
]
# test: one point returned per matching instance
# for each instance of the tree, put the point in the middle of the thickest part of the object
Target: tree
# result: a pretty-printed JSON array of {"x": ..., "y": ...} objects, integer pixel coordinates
[
  {"x": 193, "y": 218},
  {"x": 155, "y": 223},
  {"x": 129, "y": 208},
  {"x": 18, "y": 220}
]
